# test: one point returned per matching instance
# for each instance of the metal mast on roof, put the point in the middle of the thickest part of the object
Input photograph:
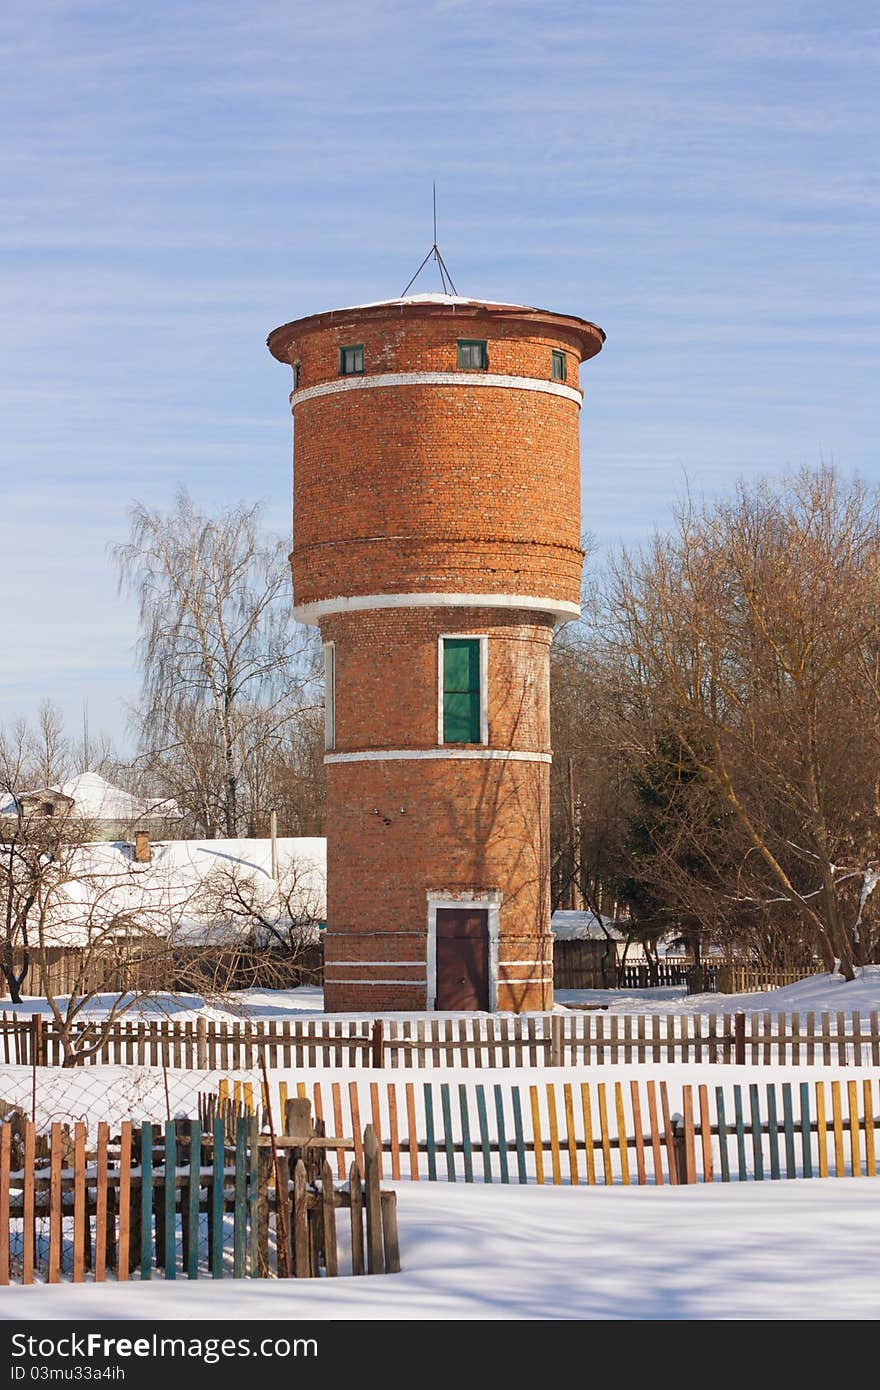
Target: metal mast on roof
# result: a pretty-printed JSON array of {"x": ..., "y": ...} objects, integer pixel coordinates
[{"x": 434, "y": 253}]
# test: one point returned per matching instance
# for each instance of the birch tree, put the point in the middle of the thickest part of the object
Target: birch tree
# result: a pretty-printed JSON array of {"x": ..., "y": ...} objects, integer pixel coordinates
[{"x": 225, "y": 668}]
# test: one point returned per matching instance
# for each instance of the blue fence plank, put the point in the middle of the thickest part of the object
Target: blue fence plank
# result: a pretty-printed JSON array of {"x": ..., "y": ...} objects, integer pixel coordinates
[
  {"x": 757, "y": 1154},
  {"x": 239, "y": 1228},
  {"x": 192, "y": 1211},
  {"x": 217, "y": 1199},
  {"x": 146, "y": 1201},
  {"x": 773, "y": 1131},
  {"x": 788, "y": 1126},
  {"x": 518, "y": 1135},
  {"x": 446, "y": 1105},
  {"x": 430, "y": 1141},
  {"x": 484, "y": 1134},
  {"x": 740, "y": 1134},
  {"x": 466, "y": 1134},
  {"x": 723, "y": 1156},
  {"x": 806, "y": 1131},
  {"x": 170, "y": 1199},
  {"x": 502, "y": 1135}
]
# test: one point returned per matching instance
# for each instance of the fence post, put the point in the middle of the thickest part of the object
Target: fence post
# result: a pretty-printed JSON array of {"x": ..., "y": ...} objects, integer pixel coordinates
[
  {"x": 739, "y": 1039},
  {"x": 556, "y": 1040},
  {"x": 377, "y": 1044},
  {"x": 679, "y": 1156},
  {"x": 37, "y": 1041},
  {"x": 202, "y": 1044}
]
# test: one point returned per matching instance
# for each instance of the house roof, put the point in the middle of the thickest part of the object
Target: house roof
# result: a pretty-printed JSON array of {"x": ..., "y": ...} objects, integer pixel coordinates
[
  {"x": 105, "y": 888},
  {"x": 94, "y": 798},
  {"x": 567, "y": 925}
]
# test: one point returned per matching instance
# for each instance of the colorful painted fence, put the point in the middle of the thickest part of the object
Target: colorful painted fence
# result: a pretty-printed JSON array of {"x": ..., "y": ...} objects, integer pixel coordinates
[
  {"x": 571, "y": 1039},
  {"x": 598, "y": 1133},
  {"x": 184, "y": 1200}
]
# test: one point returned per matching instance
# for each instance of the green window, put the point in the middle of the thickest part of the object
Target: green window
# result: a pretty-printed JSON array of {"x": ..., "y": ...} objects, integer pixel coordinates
[
  {"x": 461, "y": 690},
  {"x": 473, "y": 354},
  {"x": 297, "y": 375},
  {"x": 558, "y": 369},
  {"x": 351, "y": 360}
]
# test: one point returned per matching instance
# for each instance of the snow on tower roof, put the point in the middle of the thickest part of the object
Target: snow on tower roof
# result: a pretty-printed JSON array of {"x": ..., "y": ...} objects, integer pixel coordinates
[{"x": 592, "y": 337}]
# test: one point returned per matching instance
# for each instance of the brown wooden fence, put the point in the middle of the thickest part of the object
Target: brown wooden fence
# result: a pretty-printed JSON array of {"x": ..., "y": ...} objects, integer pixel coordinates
[
  {"x": 60, "y": 970},
  {"x": 531, "y": 1040},
  {"x": 191, "y": 1200}
]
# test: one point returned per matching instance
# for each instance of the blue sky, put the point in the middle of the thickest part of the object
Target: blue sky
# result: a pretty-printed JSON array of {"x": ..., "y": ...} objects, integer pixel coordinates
[{"x": 179, "y": 178}]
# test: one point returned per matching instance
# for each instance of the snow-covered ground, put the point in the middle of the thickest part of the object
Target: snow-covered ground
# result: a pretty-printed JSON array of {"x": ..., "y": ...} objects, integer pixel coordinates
[
  {"x": 798, "y": 1250},
  {"x": 815, "y": 994}
]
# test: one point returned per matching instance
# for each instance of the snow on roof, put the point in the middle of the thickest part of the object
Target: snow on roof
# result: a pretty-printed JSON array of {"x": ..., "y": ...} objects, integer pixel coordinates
[
  {"x": 94, "y": 798},
  {"x": 569, "y": 925},
  {"x": 104, "y": 888},
  {"x": 97, "y": 799}
]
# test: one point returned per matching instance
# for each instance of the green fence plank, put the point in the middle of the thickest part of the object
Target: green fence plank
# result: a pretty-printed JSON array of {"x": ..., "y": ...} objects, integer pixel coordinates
[
  {"x": 484, "y": 1134},
  {"x": 239, "y": 1227},
  {"x": 217, "y": 1199},
  {"x": 192, "y": 1208},
  {"x": 740, "y": 1133},
  {"x": 788, "y": 1126},
  {"x": 518, "y": 1135},
  {"x": 146, "y": 1201},
  {"x": 806, "y": 1131},
  {"x": 466, "y": 1134},
  {"x": 757, "y": 1154},
  {"x": 170, "y": 1199},
  {"x": 773, "y": 1131},
  {"x": 254, "y": 1186},
  {"x": 446, "y": 1104},
  {"x": 502, "y": 1135},
  {"x": 723, "y": 1156},
  {"x": 430, "y": 1141}
]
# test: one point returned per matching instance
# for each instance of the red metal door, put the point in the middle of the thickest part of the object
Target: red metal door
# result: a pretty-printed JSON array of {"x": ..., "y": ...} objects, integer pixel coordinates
[{"x": 462, "y": 959}]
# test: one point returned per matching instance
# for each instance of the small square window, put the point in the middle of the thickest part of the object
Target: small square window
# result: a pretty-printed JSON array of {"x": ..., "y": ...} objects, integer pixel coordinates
[
  {"x": 297, "y": 375},
  {"x": 473, "y": 355},
  {"x": 351, "y": 360},
  {"x": 558, "y": 367}
]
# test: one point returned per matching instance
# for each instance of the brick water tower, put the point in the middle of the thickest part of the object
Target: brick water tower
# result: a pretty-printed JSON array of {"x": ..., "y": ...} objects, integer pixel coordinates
[{"x": 437, "y": 547}]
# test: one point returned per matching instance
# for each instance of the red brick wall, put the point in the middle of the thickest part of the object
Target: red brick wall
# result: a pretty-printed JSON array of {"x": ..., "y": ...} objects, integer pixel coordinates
[
  {"x": 443, "y": 826},
  {"x": 387, "y": 675}
]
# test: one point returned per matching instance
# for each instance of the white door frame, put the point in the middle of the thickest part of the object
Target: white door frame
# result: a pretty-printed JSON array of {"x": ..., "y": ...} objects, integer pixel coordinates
[{"x": 490, "y": 903}]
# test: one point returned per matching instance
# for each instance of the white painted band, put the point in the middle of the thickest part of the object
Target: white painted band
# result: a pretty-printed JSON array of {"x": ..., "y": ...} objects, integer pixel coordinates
[
  {"x": 562, "y": 609},
  {"x": 532, "y": 980},
  {"x": 419, "y": 983},
  {"x": 378, "y": 755},
  {"x": 404, "y": 964},
  {"x": 380, "y": 379}
]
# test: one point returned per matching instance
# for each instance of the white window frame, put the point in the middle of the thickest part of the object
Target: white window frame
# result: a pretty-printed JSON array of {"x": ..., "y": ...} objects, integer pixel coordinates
[
  {"x": 329, "y": 649},
  {"x": 483, "y": 640},
  {"x": 490, "y": 903}
]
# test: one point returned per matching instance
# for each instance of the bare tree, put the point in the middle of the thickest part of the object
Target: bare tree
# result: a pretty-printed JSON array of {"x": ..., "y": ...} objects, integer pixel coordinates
[
  {"x": 225, "y": 669},
  {"x": 259, "y": 931},
  {"x": 747, "y": 634}
]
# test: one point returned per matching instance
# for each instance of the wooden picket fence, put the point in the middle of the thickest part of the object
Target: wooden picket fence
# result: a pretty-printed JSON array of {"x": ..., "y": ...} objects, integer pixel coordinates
[
  {"x": 574, "y": 1038},
  {"x": 189, "y": 1199},
  {"x": 601, "y": 1133}
]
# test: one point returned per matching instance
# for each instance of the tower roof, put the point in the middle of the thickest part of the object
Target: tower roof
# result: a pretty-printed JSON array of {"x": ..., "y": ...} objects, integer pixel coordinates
[{"x": 591, "y": 336}]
